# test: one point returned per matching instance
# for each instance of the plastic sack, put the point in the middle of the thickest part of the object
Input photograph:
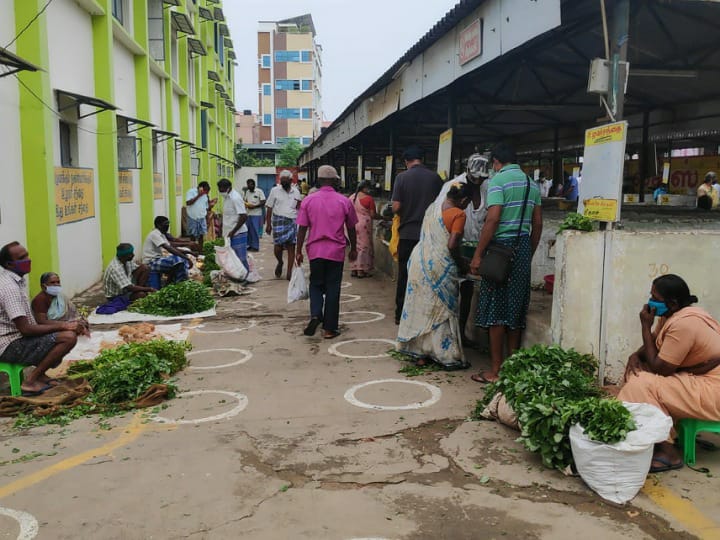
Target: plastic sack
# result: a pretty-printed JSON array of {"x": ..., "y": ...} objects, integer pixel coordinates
[
  {"x": 298, "y": 288},
  {"x": 230, "y": 263},
  {"x": 253, "y": 275},
  {"x": 617, "y": 471}
]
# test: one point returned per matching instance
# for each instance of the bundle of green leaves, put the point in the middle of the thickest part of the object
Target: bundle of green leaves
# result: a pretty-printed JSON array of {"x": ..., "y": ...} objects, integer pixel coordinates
[
  {"x": 176, "y": 299},
  {"x": 551, "y": 389},
  {"x": 577, "y": 222},
  {"x": 209, "y": 262},
  {"x": 125, "y": 373}
]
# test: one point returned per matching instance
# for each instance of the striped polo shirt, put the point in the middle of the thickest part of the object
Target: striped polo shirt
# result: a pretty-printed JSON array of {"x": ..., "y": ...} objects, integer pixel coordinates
[{"x": 507, "y": 189}]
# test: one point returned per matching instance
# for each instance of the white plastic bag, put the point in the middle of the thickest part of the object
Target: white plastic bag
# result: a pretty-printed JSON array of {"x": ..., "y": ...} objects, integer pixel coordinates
[
  {"x": 298, "y": 288},
  {"x": 253, "y": 275},
  {"x": 617, "y": 471},
  {"x": 230, "y": 263}
]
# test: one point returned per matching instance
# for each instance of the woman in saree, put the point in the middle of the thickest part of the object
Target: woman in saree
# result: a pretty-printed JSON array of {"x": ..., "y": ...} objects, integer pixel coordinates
[
  {"x": 51, "y": 305},
  {"x": 677, "y": 369},
  {"x": 429, "y": 325},
  {"x": 366, "y": 213}
]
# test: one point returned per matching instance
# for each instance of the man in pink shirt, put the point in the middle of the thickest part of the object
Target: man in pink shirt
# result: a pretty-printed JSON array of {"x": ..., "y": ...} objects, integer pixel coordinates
[{"x": 327, "y": 215}]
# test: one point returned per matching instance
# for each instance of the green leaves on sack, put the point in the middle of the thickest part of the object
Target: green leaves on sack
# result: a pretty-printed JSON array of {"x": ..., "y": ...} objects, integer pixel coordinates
[{"x": 176, "y": 299}]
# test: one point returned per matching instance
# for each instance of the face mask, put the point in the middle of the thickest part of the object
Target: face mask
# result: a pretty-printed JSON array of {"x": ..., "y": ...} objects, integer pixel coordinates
[
  {"x": 224, "y": 195},
  {"x": 660, "y": 307},
  {"x": 21, "y": 267},
  {"x": 53, "y": 290},
  {"x": 164, "y": 228}
]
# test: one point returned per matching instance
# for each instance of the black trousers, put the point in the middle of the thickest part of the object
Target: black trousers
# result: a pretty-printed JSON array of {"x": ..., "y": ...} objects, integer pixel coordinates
[
  {"x": 405, "y": 248},
  {"x": 325, "y": 281}
]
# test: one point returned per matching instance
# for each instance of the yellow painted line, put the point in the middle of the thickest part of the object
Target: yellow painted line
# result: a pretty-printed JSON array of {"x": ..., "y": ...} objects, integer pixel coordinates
[
  {"x": 682, "y": 510},
  {"x": 130, "y": 432}
]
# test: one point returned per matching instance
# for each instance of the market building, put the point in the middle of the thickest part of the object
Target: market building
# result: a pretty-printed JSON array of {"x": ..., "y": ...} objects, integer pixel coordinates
[
  {"x": 289, "y": 81},
  {"x": 115, "y": 109}
]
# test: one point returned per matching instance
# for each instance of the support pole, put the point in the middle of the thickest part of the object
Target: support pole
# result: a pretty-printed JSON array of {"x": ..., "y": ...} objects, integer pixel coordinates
[
  {"x": 452, "y": 124},
  {"x": 644, "y": 155}
]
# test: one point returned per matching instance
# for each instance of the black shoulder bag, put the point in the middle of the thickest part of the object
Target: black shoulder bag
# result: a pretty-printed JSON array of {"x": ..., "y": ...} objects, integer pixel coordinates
[{"x": 498, "y": 258}]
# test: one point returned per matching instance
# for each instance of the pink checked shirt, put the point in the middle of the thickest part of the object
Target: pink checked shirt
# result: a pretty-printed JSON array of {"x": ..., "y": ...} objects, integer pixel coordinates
[{"x": 326, "y": 213}]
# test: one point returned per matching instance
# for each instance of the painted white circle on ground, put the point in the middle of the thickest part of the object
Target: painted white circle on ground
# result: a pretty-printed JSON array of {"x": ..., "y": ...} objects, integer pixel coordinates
[
  {"x": 28, "y": 524},
  {"x": 253, "y": 305},
  {"x": 240, "y": 407},
  {"x": 246, "y": 355},
  {"x": 349, "y": 298},
  {"x": 376, "y": 316},
  {"x": 345, "y": 285},
  {"x": 251, "y": 324},
  {"x": 435, "y": 395},
  {"x": 333, "y": 349}
]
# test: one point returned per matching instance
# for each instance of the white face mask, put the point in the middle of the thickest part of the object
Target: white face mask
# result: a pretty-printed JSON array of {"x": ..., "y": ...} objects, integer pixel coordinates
[
  {"x": 224, "y": 195},
  {"x": 53, "y": 290}
]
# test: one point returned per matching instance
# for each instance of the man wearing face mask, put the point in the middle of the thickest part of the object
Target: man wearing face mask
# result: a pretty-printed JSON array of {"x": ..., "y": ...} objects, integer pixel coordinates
[
  {"x": 476, "y": 174},
  {"x": 22, "y": 339},
  {"x": 282, "y": 209},
  {"x": 234, "y": 217},
  {"x": 175, "y": 265}
]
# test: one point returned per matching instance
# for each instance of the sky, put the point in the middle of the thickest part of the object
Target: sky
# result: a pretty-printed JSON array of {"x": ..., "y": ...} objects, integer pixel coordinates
[{"x": 360, "y": 41}]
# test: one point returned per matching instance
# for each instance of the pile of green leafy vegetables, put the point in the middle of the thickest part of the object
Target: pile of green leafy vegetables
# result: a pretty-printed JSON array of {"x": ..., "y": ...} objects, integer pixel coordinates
[
  {"x": 176, "y": 299},
  {"x": 118, "y": 377},
  {"x": 209, "y": 262},
  {"x": 552, "y": 389},
  {"x": 576, "y": 222}
]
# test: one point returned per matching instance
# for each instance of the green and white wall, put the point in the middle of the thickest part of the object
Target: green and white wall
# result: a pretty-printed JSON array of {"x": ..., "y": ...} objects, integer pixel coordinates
[{"x": 82, "y": 48}]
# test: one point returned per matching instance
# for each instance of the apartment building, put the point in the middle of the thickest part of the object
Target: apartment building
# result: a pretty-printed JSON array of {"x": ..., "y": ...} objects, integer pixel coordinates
[
  {"x": 289, "y": 81},
  {"x": 114, "y": 110}
]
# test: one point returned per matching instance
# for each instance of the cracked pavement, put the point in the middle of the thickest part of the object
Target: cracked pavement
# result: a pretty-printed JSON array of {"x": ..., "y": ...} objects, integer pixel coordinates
[{"x": 300, "y": 461}]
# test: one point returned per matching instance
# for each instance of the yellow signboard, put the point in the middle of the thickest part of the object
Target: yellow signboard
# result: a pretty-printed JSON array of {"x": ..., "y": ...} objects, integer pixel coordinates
[
  {"x": 605, "y": 134},
  {"x": 445, "y": 154},
  {"x": 74, "y": 194},
  {"x": 600, "y": 209},
  {"x": 178, "y": 185},
  {"x": 158, "y": 186},
  {"x": 125, "y": 186},
  {"x": 388, "y": 172}
]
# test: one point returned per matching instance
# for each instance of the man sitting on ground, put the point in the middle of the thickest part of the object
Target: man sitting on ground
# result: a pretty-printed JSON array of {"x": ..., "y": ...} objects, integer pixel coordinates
[
  {"x": 124, "y": 277},
  {"x": 22, "y": 340},
  {"x": 175, "y": 265}
]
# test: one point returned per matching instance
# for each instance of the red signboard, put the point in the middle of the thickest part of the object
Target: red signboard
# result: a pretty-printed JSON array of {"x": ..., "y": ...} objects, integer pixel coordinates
[{"x": 471, "y": 42}]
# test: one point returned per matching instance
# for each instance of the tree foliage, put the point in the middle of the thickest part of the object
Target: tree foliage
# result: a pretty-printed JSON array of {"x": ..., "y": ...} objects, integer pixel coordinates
[
  {"x": 244, "y": 158},
  {"x": 289, "y": 154}
]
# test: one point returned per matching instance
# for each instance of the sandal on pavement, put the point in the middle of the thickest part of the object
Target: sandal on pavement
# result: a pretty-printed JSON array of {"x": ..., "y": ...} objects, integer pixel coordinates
[
  {"x": 330, "y": 334},
  {"x": 480, "y": 378},
  {"x": 667, "y": 465},
  {"x": 31, "y": 393}
]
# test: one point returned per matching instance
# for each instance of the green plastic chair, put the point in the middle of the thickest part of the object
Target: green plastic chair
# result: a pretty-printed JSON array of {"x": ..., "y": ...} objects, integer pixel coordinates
[
  {"x": 15, "y": 374},
  {"x": 688, "y": 429}
]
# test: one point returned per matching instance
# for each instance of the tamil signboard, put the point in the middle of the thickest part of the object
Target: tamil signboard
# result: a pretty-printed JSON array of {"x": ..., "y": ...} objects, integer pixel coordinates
[
  {"x": 602, "y": 177},
  {"x": 388, "y": 172},
  {"x": 445, "y": 154},
  {"x": 125, "y": 187},
  {"x": 158, "y": 192},
  {"x": 471, "y": 41},
  {"x": 74, "y": 194}
]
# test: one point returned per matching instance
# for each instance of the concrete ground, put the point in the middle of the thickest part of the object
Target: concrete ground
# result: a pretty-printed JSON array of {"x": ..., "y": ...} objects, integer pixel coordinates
[{"x": 269, "y": 446}]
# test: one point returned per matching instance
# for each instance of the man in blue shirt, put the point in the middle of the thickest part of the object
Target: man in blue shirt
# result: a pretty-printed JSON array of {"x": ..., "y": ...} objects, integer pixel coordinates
[{"x": 571, "y": 189}]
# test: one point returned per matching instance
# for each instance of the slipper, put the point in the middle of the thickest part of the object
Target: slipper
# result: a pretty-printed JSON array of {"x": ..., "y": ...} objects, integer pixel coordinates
[
  {"x": 480, "y": 378},
  {"x": 330, "y": 334},
  {"x": 53, "y": 382},
  {"x": 667, "y": 465},
  {"x": 31, "y": 393},
  {"x": 278, "y": 270},
  {"x": 312, "y": 327}
]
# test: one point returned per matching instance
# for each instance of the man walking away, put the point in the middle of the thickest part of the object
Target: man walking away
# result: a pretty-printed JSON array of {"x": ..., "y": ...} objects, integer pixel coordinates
[
  {"x": 328, "y": 215},
  {"x": 233, "y": 219},
  {"x": 198, "y": 204},
  {"x": 282, "y": 209},
  {"x": 254, "y": 202},
  {"x": 415, "y": 189}
]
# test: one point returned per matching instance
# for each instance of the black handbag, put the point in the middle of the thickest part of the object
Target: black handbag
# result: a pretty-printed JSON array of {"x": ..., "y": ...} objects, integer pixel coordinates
[{"x": 498, "y": 258}]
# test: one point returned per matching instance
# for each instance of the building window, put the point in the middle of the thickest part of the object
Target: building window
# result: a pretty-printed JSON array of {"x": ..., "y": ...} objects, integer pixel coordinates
[
  {"x": 266, "y": 90},
  {"x": 287, "y": 84},
  {"x": 265, "y": 61},
  {"x": 284, "y": 113},
  {"x": 287, "y": 56},
  {"x": 117, "y": 10},
  {"x": 306, "y": 56},
  {"x": 204, "y": 128},
  {"x": 68, "y": 144},
  {"x": 156, "y": 29},
  {"x": 307, "y": 85},
  {"x": 307, "y": 114},
  {"x": 307, "y": 141},
  {"x": 267, "y": 120},
  {"x": 285, "y": 140}
]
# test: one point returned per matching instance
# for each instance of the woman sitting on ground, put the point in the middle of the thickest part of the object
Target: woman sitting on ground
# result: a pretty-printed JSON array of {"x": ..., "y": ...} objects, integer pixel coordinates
[
  {"x": 51, "y": 305},
  {"x": 677, "y": 369},
  {"x": 429, "y": 325}
]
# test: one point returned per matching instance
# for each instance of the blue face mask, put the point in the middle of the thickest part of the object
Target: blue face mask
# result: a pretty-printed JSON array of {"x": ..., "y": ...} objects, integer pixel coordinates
[
  {"x": 53, "y": 290},
  {"x": 660, "y": 307}
]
